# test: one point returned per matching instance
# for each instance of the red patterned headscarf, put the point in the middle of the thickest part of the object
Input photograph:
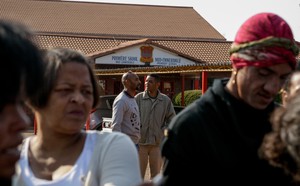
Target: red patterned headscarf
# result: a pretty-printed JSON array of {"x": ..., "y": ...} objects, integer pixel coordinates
[{"x": 264, "y": 40}]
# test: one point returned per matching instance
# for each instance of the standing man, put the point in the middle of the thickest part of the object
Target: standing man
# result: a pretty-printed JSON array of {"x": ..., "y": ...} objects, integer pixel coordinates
[
  {"x": 156, "y": 112},
  {"x": 125, "y": 113},
  {"x": 219, "y": 135}
]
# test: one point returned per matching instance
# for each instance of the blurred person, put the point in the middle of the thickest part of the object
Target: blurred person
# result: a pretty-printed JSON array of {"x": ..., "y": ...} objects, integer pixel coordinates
[
  {"x": 125, "y": 113},
  {"x": 281, "y": 146},
  {"x": 291, "y": 86},
  {"x": 156, "y": 112},
  {"x": 62, "y": 153},
  {"x": 219, "y": 135},
  {"x": 20, "y": 74}
]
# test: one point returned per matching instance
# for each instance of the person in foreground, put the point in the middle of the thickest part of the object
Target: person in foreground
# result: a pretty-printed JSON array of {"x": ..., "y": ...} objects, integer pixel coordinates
[
  {"x": 62, "y": 153},
  {"x": 281, "y": 146},
  {"x": 291, "y": 86},
  {"x": 20, "y": 75},
  {"x": 125, "y": 113},
  {"x": 156, "y": 112},
  {"x": 219, "y": 135}
]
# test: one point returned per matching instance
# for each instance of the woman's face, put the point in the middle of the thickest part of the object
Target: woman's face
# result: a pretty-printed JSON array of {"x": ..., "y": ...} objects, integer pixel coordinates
[
  {"x": 70, "y": 101},
  {"x": 13, "y": 120}
]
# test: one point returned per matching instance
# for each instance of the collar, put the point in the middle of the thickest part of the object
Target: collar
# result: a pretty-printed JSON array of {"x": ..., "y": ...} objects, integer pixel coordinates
[
  {"x": 151, "y": 96},
  {"x": 127, "y": 94},
  {"x": 146, "y": 95}
]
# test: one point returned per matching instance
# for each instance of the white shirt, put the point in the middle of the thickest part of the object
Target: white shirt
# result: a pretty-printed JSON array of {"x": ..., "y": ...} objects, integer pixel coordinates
[
  {"x": 108, "y": 159},
  {"x": 75, "y": 176}
]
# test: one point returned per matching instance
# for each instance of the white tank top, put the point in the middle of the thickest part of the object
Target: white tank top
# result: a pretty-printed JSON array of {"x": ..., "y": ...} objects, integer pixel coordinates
[{"x": 74, "y": 177}]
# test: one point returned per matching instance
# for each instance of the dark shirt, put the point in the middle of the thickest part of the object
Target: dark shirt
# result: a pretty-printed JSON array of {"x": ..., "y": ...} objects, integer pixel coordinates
[
  {"x": 5, "y": 182},
  {"x": 215, "y": 140}
]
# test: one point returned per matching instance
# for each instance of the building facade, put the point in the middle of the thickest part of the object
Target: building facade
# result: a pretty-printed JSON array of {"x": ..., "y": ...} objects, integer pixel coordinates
[{"x": 175, "y": 42}]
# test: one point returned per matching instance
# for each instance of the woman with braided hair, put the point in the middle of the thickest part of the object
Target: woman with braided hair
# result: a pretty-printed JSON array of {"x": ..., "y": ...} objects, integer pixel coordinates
[{"x": 281, "y": 147}]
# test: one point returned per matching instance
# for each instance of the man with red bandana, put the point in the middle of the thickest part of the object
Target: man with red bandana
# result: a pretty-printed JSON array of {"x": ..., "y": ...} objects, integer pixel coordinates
[{"x": 215, "y": 140}]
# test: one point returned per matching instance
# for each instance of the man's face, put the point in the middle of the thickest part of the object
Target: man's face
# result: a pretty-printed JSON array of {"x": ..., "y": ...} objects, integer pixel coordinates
[
  {"x": 134, "y": 82},
  {"x": 258, "y": 86},
  {"x": 151, "y": 85}
]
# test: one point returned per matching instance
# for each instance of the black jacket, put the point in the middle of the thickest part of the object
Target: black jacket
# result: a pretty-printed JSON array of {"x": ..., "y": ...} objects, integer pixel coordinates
[{"x": 215, "y": 140}]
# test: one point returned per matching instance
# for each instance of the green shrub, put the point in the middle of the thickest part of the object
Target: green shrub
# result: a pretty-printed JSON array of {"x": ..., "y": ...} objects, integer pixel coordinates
[{"x": 189, "y": 97}]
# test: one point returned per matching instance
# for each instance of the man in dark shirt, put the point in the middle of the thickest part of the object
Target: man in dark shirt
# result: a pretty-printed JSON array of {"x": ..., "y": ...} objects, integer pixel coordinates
[{"x": 215, "y": 140}]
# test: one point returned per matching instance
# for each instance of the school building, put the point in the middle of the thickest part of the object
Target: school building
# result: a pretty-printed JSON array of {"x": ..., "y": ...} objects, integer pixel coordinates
[{"x": 175, "y": 42}]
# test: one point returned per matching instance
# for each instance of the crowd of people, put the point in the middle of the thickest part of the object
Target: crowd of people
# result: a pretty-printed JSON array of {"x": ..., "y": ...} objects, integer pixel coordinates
[{"x": 234, "y": 134}]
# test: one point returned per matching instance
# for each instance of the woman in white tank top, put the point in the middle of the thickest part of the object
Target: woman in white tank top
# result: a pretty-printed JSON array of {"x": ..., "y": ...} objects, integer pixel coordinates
[{"x": 61, "y": 153}]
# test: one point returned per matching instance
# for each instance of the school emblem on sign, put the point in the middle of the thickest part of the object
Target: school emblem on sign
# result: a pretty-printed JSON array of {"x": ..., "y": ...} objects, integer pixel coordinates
[{"x": 146, "y": 54}]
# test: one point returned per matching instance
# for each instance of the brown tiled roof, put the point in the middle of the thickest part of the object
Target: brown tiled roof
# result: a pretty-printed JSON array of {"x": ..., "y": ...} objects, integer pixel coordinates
[
  {"x": 204, "y": 51},
  {"x": 97, "y": 28},
  {"x": 221, "y": 66},
  {"x": 110, "y": 20},
  {"x": 84, "y": 44}
]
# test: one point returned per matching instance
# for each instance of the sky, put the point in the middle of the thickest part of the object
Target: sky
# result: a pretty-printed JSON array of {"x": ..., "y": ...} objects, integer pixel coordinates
[{"x": 226, "y": 16}]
